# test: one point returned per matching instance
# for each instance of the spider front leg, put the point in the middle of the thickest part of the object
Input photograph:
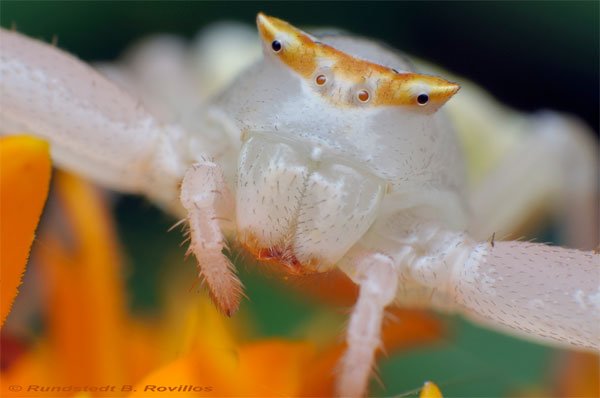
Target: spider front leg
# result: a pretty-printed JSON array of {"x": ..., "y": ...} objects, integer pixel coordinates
[
  {"x": 544, "y": 293},
  {"x": 207, "y": 200},
  {"x": 378, "y": 281}
]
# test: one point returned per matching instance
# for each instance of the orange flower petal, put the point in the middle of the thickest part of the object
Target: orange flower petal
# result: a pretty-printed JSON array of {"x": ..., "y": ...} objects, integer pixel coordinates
[
  {"x": 319, "y": 377},
  {"x": 86, "y": 308},
  {"x": 274, "y": 368},
  {"x": 263, "y": 369},
  {"x": 25, "y": 168},
  {"x": 579, "y": 375},
  {"x": 208, "y": 369},
  {"x": 142, "y": 350},
  {"x": 192, "y": 319},
  {"x": 409, "y": 328}
]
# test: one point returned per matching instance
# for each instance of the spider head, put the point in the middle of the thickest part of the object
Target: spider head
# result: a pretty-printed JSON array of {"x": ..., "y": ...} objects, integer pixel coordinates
[{"x": 328, "y": 125}]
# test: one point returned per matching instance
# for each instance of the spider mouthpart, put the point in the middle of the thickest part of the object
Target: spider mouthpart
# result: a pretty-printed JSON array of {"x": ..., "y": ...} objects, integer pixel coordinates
[
  {"x": 423, "y": 99},
  {"x": 276, "y": 46},
  {"x": 363, "y": 96}
]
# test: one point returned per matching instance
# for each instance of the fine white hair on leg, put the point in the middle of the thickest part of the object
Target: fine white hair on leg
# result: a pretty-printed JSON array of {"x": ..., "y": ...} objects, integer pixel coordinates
[
  {"x": 203, "y": 194},
  {"x": 543, "y": 292},
  {"x": 378, "y": 282}
]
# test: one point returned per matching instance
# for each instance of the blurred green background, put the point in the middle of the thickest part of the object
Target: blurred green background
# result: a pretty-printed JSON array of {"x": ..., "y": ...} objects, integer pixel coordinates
[{"x": 530, "y": 55}]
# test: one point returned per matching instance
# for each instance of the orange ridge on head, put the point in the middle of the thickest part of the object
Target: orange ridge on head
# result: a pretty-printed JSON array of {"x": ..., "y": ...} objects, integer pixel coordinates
[{"x": 361, "y": 82}]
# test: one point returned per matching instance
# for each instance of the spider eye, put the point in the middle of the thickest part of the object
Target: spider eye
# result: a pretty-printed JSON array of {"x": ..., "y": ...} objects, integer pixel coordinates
[
  {"x": 363, "y": 96},
  {"x": 422, "y": 99},
  {"x": 276, "y": 46}
]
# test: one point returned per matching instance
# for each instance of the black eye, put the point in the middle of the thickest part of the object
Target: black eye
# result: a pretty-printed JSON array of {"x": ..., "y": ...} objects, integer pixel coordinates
[
  {"x": 276, "y": 46},
  {"x": 422, "y": 99}
]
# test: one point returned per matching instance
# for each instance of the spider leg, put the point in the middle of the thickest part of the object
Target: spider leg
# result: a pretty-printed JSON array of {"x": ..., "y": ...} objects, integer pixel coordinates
[
  {"x": 378, "y": 281},
  {"x": 208, "y": 202},
  {"x": 553, "y": 167},
  {"x": 544, "y": 293},
  {"x": 94, "y": 128}
]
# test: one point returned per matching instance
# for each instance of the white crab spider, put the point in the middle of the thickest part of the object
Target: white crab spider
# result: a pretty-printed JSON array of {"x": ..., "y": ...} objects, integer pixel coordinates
[{"x": 315, "y": 158}]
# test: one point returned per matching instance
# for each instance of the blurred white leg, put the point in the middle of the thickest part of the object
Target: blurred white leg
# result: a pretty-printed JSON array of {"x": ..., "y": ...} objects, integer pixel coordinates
[
  {"x": 158, "y": 71},
  {"x": 378, "y": 281},
  {"x": 95, "y": 128},
  {"x": 556, "y": 164},
  {"x": 208, "y": 202},
  {"x": 56, "y": 96}
]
